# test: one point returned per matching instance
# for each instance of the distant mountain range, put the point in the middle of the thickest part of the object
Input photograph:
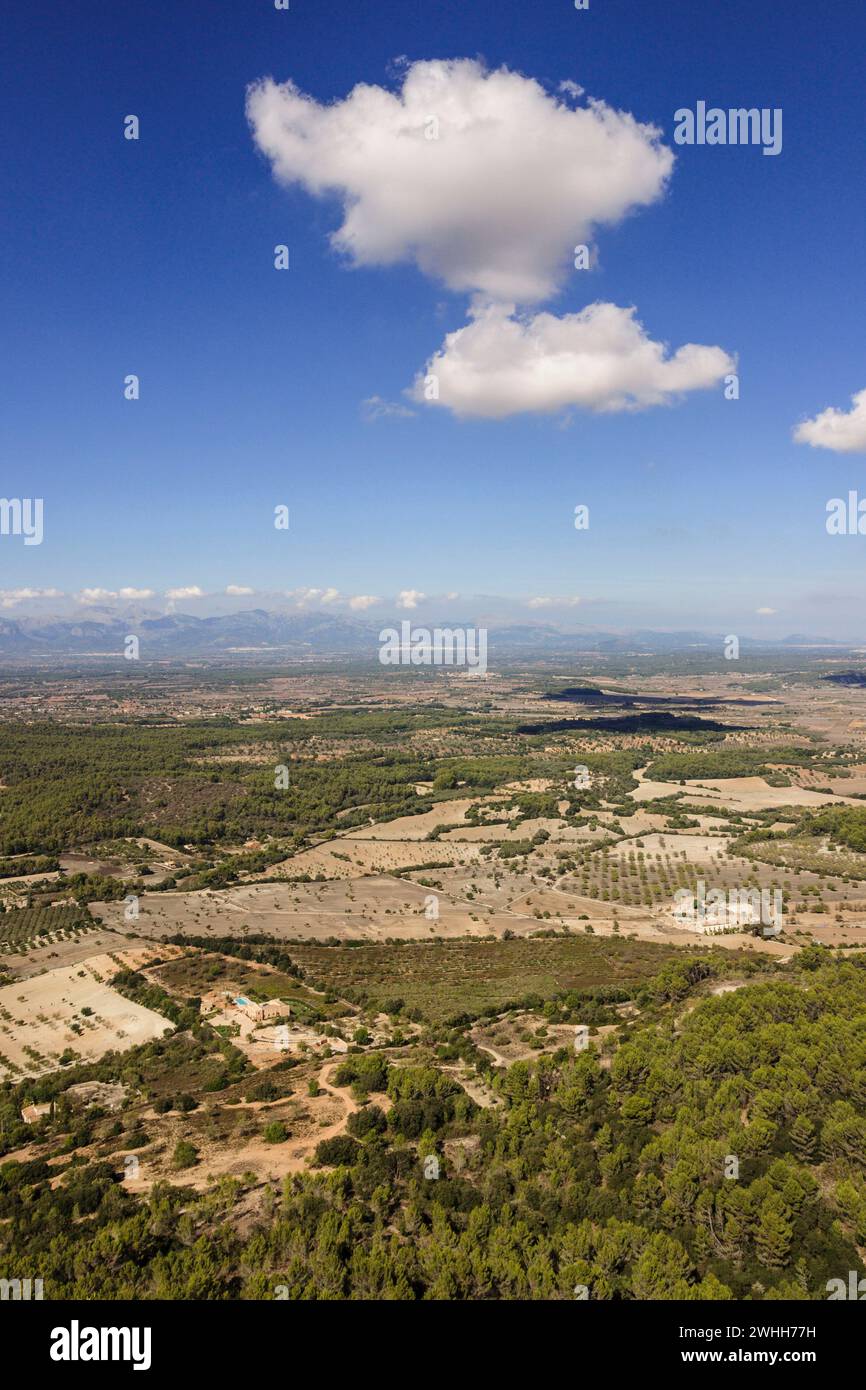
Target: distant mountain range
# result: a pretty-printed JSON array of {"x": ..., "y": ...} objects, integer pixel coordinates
[
  {"x": 182, "y": 635},
  {"x": 256, "y": 633}
]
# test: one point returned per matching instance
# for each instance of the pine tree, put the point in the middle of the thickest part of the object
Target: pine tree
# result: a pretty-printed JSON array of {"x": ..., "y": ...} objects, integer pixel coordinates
[{"x": 773, "y": 1237}]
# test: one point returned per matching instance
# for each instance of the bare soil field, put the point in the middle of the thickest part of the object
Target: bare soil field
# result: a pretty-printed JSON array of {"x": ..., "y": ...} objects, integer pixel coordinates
[
  {"x": 556, "y": 829},
  {"x": 346, "y": 855},
  {"x": 361, "y": 909},
  {"x": 754, "y": 794},
  {"x": 64, "y": 953},
  {"x": 411, "y": 828},
  {"x": 741, "y": 793},
  {"x": 71, "y": 1007}
]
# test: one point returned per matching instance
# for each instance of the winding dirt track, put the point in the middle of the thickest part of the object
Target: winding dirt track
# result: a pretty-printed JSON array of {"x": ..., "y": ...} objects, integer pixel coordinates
[{"x": 270, "y": 1161}]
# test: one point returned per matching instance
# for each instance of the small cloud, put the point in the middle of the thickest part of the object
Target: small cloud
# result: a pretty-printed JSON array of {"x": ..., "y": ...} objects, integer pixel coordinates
[
  {"x": 843, "y": 431},
  {"x": 95, "y": 595},
  {"x": 136, "y": 593},
  {"x": 410, "y": 598},
  {"x": 360, "y": 602},
  {"x": 552, "y": 601},
  {"x": 186, "y": 591},
  {"x": 238, "y": 590},
  {"x": 303, "y": 596},
  {"x": 307, "y": 595},
  {"x": 766, "y": 612},
  {"x": 377, "y": 408}
]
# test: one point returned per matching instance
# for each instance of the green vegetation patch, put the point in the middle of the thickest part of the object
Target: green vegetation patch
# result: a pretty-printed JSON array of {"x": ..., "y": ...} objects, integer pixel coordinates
[
  {"x": 446, "y": 979},
  {"x": 712, "y": 763}
]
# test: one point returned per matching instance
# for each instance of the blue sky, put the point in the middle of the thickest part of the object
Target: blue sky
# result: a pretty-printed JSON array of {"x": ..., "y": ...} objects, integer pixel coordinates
[{"x": 156, "y": 257}]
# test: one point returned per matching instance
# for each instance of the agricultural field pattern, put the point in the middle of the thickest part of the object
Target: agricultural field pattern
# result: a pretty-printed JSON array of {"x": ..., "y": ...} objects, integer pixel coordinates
[{"x": 342, "y": 925}]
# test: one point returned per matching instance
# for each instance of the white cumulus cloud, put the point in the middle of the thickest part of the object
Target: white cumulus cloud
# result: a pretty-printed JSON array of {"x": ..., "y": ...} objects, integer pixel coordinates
[
  {"x": 10, "y": 597},
  {"x": 483, "y": 179},
  {"x": 304, "y": 595},
  {"x": 186, "y": 591},
  {"x": 136, "y": 593},
  {"x": 360, "y": 602},
  {"x": 410, "y": 598},
  {"x": 238, "y": 590},
  {"x": 843, "y": 431},
  {"x": 599, "y": 359},
  {"x": 310, "y": 595},
  {"x": 95, "y": 595}
]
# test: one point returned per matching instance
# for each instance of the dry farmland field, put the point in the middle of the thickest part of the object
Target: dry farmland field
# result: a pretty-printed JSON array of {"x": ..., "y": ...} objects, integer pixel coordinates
[
  {"x": 450, "y": 933},
  {"x": 67, "y": 1015}
]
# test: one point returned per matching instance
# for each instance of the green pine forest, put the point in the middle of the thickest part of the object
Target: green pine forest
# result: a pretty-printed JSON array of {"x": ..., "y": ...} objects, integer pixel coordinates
[{"x": 618, "y": 1178}]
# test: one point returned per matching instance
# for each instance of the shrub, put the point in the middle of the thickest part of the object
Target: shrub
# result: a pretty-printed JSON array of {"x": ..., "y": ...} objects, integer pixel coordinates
[
  {"x": 185, "y": 1154},
  {"x": 338, "y": 1152},
  {"x": 370, "y": 1120}
]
